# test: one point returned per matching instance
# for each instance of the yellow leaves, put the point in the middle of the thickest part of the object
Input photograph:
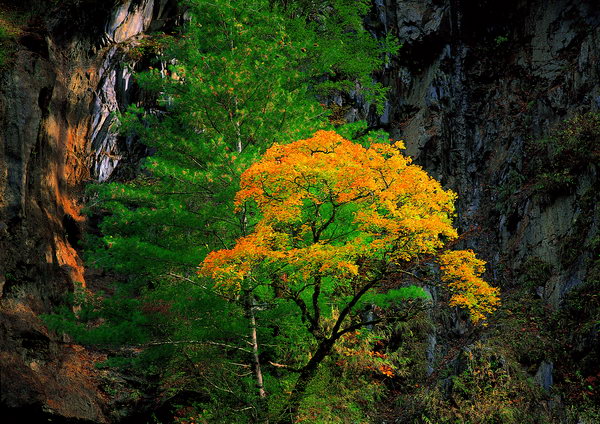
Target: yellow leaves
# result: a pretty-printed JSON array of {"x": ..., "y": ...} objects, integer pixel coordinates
[
  {"x": 329, "y": 205},
  {"x": 386, "y": 370},
  {"x": 328, "y": 168},
  {"x": 229, "y": 267},
  {"x": 462, "y": 271},
  {"x": 399, "y": 144},
  {"x": 398, "y": 208},
  {"x": 351, "y": 267}
]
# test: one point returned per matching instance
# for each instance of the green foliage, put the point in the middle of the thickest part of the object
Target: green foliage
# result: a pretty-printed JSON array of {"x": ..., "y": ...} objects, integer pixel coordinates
[
  {"x": 508, "y": 191},
  {"x": 393, "y": 296},
  {"x": 558, "y": 160},
  {"x": 492, "y": 389},
  {"x": 576, "y": 327},
  {"x": 123, "y": 329},
  {"x": 555, "y": 164},
  {"x": 535, "y": 272},
  {"x": 332, "y": 31},
  {"x": 492, "y": 381},
  {"x": 576, "y": 244},
  {"x": 10, "y": 27},
  {"x": 586, "y": 414},
  {"x": 523, "y": 328},
  {"x": 3, "y": 37},
  {"x": 241, "y": 75},
  {"x": 501, "y": 39},
  {"x": 151, "y": 45},
  {"x": 341, "y": 395}
]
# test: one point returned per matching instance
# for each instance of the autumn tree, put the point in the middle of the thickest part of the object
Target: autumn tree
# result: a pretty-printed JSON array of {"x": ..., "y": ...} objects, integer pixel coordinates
[{"x": 333, "y": 219}]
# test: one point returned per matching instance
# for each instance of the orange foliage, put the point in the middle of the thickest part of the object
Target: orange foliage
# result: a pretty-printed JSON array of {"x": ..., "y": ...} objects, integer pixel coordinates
[
  {"x": 358, "y": 356},
  {"x": 329, "y": 206},
  {"x": 462, "y": 270}
]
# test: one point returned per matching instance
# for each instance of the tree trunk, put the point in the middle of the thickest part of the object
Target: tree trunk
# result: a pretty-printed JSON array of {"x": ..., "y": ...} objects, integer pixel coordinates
[
  {"x": 304, "y": 379},
  {"x": 256, "y": 360}
]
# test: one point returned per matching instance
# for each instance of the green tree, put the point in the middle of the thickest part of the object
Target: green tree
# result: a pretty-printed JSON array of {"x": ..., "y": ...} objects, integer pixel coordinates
[
  {"x": 245, "y": 75},
  {"x": 241, "y": 75}
]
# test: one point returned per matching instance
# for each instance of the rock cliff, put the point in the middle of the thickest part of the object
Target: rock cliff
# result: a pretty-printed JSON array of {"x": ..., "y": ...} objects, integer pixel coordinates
[
  {"x": 474, "y": 84},
  {"x": 491, "y": 98},
  {"x": 63, "y": 79}
]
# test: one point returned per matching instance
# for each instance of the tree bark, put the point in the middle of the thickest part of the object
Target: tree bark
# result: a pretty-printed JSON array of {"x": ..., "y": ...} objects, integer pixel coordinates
[
  {"x": 306, "y": 375},
  {"x": 255, "y": 357}
]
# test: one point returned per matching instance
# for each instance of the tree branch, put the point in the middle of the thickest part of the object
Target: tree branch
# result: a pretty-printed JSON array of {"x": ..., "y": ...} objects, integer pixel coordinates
[
  {"x": 184, "y": 278},
  {"x": 304, "y": 310},
  {"x": 197, "y": 342},
  {"x": 356, "y": 327},
  {"x": 315, "y": 302},
  {"x": 287, "y": 367},
  {"x": 352, "y": 303}
]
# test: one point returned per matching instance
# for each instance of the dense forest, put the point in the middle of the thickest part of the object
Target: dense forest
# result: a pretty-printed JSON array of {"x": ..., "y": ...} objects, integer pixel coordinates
[{"x": 274, "y": 211}]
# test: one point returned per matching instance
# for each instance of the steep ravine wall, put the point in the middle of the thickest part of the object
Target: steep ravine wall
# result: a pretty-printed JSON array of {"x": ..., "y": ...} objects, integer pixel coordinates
[
  {"x": 475, "y": 85},
  {"x": 63, "y": 80},
  {"x": 474, "y": 82}
]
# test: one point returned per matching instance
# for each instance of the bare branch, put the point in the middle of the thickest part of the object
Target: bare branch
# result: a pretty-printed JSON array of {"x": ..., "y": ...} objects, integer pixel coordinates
[
  {"x": 287, "y": 367},
  {"x": 184, "y": 278},
  {"x": 196, "y": 342},
  {"x": 348, "y": 308}
]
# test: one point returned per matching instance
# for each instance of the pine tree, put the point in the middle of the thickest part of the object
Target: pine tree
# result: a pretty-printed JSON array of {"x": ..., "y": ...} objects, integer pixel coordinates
[
  {"x": 241, "y": 75},
  {"x": 245, "y": 75}
]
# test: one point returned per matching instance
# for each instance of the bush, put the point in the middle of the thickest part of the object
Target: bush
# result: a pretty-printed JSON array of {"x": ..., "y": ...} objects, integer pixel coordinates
[{"x": 565, "y": 154}]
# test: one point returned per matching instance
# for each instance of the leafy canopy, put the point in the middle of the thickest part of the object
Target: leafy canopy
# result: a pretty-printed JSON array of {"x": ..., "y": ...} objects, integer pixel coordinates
[
  {"x": 332, "y": 221},
  {"x": 332, "y": 209},
  {"x": 242, "y": 75}
]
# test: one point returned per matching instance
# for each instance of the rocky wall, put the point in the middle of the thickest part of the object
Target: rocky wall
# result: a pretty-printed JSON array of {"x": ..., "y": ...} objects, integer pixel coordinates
[
  {"x": 65, "y": 78},
  {"x": 476, "y": 85}
]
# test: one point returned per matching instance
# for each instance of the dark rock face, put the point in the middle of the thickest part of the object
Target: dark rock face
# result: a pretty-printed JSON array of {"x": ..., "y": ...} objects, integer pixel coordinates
[
  {"x": 474, "y": 84},
  {"x": 65, "y": 78}
]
